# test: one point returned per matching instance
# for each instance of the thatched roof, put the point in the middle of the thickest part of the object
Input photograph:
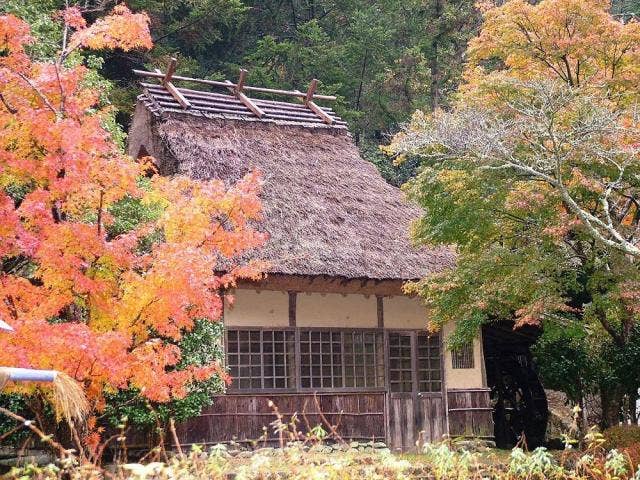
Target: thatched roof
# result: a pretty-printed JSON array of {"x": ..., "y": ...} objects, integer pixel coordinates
[{"x": 327, "y": 211}]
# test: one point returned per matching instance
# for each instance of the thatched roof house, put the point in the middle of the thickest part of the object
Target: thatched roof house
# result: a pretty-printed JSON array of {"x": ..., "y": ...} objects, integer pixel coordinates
[{"x": 330, "y": 319}]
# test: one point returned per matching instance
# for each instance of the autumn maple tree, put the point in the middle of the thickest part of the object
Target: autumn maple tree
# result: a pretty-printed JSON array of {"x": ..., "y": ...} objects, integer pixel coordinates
[
  {"x": 533, "y": 174},
  {"x": 105, "y": 303}
]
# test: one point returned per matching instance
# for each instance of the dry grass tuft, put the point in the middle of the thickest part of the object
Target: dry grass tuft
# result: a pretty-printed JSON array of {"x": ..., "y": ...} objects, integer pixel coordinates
[{"x": 69, "y": 399}]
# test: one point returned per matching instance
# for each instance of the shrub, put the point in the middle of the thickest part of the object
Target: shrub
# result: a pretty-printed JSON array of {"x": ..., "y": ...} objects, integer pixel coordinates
[
  {"x": 622, "y": 436},
  {"x": 447, "y": 464},
  {"x": 632, "y": 452},
  {"x": 537, "y": 465},
  {"x": 292, "y": 463},
  {"x": 305, "y": 461}
]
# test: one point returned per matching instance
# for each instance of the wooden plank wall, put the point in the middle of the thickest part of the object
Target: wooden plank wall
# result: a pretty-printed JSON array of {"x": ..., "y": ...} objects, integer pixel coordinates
[
  {"x": 470, "y": 413},
  {"x": 415, "y": 420},
  {"x": 402, "y": 423},
  {"x": 359, "y": 416},
  {"x": 433, "y": 418}
]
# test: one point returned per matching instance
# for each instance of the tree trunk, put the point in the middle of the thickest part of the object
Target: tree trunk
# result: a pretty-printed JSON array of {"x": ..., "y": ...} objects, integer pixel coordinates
[
  {"x": 612, "y": 399},
  {"x": 434, "y": 62},
  {"x": 633, "y": 412}
]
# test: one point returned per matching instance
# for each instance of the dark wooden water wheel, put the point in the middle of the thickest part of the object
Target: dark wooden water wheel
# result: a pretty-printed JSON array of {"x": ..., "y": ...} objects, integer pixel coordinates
[{"x": 520, "y": 405}]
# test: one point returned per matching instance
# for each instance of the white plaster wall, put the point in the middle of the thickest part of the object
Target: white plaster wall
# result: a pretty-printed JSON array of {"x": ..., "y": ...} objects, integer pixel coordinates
[
  {"x": 258, "y": 308},
  {"x": 336, "y": 310},
  {"x": 404, "y": 313},
  {"x": 463, "y": 377}
]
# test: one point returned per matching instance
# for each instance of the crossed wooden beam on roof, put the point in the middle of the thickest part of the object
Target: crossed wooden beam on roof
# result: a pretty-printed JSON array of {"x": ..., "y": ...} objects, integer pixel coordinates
[{"x": 238, "y": 89}]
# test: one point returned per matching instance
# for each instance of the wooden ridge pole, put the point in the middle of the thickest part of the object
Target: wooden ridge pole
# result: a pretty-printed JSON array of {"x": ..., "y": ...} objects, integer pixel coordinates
[
  {"x": 166, "y": 82},
  {"x": 308, "y": 101},
  {"x": 227, "y": 84}
]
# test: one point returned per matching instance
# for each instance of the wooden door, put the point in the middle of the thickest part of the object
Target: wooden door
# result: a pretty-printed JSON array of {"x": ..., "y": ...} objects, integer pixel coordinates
[{"x": 416, "y": 412}]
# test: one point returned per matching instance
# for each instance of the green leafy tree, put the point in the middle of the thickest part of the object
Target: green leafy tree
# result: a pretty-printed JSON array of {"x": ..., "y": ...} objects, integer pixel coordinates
[
  {"x": 382, "y": 59},
  {"x": 533, "y": 176}
]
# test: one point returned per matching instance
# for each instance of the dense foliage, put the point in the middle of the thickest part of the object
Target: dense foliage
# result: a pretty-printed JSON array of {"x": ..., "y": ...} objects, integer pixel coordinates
[
  {"x": 105, "y": 267},
  {"x": 383, "y": 59},
  {"x": 200, "y": 346},
  {"x": 622, "y": 436},
  {"x": 533, "y": 174}
]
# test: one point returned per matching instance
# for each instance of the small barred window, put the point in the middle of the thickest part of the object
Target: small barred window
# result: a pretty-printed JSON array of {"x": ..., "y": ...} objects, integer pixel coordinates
[{"x": 463, "y": 357}]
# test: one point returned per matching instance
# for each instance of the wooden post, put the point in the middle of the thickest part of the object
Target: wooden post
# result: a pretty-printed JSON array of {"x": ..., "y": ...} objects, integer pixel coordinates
[
  {"x": 171, "y": 69},
  {"x": 311, "y": 90},
  {"x": 292, "y": 308},
  {"x": 236, "y": 89},
  {"x": 380, "y": 309},
  {"x": 175, "y": 93},
  {"x": 308, "y": 101},
  {"x": 240, "y": 85}
]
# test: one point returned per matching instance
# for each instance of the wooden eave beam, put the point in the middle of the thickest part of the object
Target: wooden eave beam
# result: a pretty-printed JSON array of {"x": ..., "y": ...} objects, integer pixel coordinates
[
  {"x": 308, "y": 101},
  {"x": 237, "y": 88},
  {"x": 171, "y": 88}
]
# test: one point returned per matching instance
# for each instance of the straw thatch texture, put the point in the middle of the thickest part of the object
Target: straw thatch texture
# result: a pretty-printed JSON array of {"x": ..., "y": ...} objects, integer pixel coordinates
[{"x": 327, "y": 211}]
